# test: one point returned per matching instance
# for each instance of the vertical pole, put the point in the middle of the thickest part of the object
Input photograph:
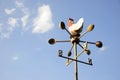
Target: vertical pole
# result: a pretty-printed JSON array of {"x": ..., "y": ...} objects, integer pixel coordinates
[{"x": 75, "y": 63}]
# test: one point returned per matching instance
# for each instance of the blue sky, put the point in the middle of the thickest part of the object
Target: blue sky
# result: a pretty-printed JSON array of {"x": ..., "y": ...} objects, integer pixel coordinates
[{"x": 27, "y": 25}]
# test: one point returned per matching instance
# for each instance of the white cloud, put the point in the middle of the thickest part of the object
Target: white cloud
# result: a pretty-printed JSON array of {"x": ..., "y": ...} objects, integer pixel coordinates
[
  {"x": 19, "y": 4},
  {"x": 1, "y": 27},
  {"x": 103, "y": 48},
  {"x": 22, "y": 7},
  {"x": 7, "y": 28},
  {"x": 43, "y": 22},
  {"x": 12, "y": 22},
  {"x": 9, "y": 11},
  {"x": 4, "y": 35},
  {"x": 24, "y": 20},
  {"x": 25, "y": 11},
  {"x": 15, "y": 58}
]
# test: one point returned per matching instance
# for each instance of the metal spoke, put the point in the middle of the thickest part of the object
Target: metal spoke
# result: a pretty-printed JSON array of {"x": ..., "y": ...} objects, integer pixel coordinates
[
  {"x": 81, "y": 46},
  {"x": 77, "y": 56},
  {"x": 64, "y": 41},
  {"x": 75, "y": 60},
  {"x": 68, "y": 32},
  {"x": 88, "y": 42}
]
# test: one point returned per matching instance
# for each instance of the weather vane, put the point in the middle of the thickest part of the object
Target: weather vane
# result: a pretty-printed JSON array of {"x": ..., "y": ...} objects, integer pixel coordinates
[{"x": 74, "y": 30}]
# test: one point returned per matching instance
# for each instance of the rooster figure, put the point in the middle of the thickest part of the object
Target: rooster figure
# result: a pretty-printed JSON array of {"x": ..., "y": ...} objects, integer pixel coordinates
[{"x": 75, "y": 28}]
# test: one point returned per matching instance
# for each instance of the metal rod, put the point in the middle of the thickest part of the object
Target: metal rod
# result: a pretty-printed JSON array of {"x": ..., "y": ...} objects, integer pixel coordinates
[
  {"x": 64, "y": 41},
  {"x": 80, "y": 52},
  {"x": 88, "y": 42},
  {"x": 71, "y": 47},
  {"x": 75, "y": 63},
  {"x": 69, "y": 52},
  {"x": 68, "y": 32},
  {"x": 83, "y": 34},
  {"x": 74, "y": 59},
  {"x": 81, "y": 46}
]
